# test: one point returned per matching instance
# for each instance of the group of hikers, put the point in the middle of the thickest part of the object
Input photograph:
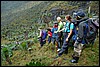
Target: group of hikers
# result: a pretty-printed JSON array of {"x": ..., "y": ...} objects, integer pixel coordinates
[{"x": 81, "y": 30}]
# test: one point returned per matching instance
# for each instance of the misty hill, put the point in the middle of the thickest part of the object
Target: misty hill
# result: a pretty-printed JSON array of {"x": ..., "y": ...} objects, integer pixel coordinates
[{"x": 17, "y": 16}]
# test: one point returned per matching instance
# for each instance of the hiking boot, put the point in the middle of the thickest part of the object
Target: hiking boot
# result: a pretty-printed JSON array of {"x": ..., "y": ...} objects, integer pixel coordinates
[
  {"x": 58, "y": 50},
  {"x": 73, "y": 61}
]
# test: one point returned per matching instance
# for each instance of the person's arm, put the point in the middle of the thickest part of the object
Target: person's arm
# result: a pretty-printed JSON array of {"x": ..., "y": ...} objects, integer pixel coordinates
[
  {"x": 40, "y": 33},
  {"x": 69, "y": 34},
  {"x": 62, "y": 29}
]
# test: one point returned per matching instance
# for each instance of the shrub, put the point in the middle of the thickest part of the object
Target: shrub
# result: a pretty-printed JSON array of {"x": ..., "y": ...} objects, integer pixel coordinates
[
  {"x": 35, "y": 39},
  {"x": 6, "y": 50},
  {"x": 23, "y": 45},
  {"x": 35, "y": 63}
]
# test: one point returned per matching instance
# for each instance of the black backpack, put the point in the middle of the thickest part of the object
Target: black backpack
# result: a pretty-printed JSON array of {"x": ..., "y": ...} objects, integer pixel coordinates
[
  {"x": 92, "y": 31},
  {"x": 88, "y": 30}
]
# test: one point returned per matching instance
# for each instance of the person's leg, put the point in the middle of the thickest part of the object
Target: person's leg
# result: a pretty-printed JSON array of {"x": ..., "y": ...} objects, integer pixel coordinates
[
  {"x": 41, "y": 41},
  {"x": 59, "y": 40},
  {"x": 77, "y": 51},
  {"x": 53, "y": 42},
  {"x": 64, "y": 46},
  {"x": 49, "y": 40}
]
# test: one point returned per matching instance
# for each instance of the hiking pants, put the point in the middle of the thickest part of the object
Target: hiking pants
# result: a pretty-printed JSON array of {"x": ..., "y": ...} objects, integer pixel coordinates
[
  {"x": 49, "y": 39},
  {"x": 59, "y": 39},
  {"x": 54, "y": 39},
  {"x": 78, "y": 48},
  {"x": 65, "y": 45},
  {"x": 42, "y": 42}
]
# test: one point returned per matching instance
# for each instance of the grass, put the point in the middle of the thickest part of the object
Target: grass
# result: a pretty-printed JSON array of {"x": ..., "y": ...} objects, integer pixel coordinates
[{"x": 46, "y": 54}]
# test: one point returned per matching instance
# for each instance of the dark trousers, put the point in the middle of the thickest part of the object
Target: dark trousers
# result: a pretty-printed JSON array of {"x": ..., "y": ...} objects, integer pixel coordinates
[
  {"x": 49, "y": 39},
  {"x": 59, "y": 39},
  {"x": 64, "y": 47},
  {"x": 54, "y": 39},
  {"x": 42, "y": 41}
]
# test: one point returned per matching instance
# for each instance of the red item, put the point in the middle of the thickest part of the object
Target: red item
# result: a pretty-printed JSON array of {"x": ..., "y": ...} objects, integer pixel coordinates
[
  {"x": 50, "y": 33},
  {"x": 55, "y": 26}
]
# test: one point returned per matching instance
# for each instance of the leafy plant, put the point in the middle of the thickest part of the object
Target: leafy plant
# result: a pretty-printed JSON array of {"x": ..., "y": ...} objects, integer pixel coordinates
[
  {"x": 35, "y": 39},
  {"x": 23, "y": 45},
  {"x": 6, "y": 50},
  {"x": 35, "y": 63}
]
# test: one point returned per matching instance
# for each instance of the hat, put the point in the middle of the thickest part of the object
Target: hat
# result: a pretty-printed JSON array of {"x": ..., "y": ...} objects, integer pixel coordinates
[
  {"x": 58, "y": 18},
  {"x": 55, "y": 22},
  {"x": 80, "y": 14}
]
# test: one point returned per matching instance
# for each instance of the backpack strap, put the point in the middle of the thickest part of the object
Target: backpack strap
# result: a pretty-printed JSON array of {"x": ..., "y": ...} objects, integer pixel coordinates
[{"x": 69, "y": 25}]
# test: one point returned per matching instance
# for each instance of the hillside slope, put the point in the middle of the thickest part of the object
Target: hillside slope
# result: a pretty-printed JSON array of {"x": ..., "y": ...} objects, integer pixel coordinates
[
  {"x": 18, "y": 17},
  {"x": 45, "y": 55}
]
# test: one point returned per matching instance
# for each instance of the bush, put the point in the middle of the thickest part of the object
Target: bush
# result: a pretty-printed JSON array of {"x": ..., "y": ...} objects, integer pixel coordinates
[
  {"x": 35, "y": 63},
  {"x": 6, "y": 50},
  {"x": 24, "y": 45},
  {"x": 35, "y": 39}
]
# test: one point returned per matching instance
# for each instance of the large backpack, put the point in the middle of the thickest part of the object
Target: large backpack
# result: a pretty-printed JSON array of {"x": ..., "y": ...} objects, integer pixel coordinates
[
  {"x": 92, "y": 28},
  {"x": 87, "y": 31},
  {"x": 76, "y": 24}
]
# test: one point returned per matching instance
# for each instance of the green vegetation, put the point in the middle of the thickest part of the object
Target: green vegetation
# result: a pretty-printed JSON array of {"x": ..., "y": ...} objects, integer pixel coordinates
[
  {"x": 20, "y": 16},
  {"x": 34, "y": 63}
]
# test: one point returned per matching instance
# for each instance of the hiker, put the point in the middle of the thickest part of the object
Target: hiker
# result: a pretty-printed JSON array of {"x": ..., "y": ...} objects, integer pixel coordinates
[
  {"x": 67, "y": 35},
  {"x": 42, "y": 36},
  {"x": 59, "y": 39},
  {"x": 54, "y": 35},
  {"x": 83, "y": 29},
  {"x": 49, "y": 35}
]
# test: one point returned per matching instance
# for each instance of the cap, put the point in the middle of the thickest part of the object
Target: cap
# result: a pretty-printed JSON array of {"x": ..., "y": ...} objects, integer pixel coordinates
[
  {"x": 80, "y": 14},
  {"x": 55, "y": 22},
  {"x": 58, "y": 18}
]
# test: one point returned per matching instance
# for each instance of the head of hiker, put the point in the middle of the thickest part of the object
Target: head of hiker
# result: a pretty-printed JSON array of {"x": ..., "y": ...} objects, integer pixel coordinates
[
  {"x": 58, "y": 19},
  {"x": 80, "y": 15},
  {"x": 68, "y": 18},
  {"x": 40, "y": 28},
  {"x": 55, "y": 24}
]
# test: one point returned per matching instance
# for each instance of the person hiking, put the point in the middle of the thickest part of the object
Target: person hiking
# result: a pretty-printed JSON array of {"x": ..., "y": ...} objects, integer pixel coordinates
[
  {"x": 81, "y": 36},
  {"x": 67, "y": 35},
  {"x": 59, "y": 39},
  {"x": 42, "y": 36},
  {"x": 54, "y": 35},
  {"x": 49, "y": 35}
]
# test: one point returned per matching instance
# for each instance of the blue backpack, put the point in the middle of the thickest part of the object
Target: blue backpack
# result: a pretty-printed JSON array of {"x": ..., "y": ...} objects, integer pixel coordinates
[{"x": 44, "y": 34}]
